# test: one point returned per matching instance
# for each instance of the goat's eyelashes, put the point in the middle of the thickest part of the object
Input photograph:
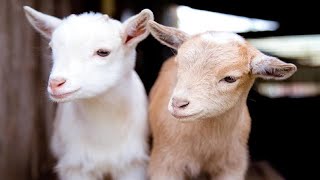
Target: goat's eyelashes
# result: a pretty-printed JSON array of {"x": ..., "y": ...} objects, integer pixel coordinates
[
  {"x": 229, "y": 79},
  {"x": 103, "y": 53}
]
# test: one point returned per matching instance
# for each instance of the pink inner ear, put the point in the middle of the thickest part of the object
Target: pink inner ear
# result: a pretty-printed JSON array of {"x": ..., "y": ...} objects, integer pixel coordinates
[
  {"x": 44, "y": 28},
  {"x": 128, "y": 39},
  {"x": 135, "y": 34},
  {"x": 139, "y": 29}
]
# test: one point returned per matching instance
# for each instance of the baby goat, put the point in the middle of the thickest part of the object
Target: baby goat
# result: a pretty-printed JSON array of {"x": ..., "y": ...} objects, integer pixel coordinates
[
  {"x": 101, "y": 123},
  {"x": 198, "y": 113}
]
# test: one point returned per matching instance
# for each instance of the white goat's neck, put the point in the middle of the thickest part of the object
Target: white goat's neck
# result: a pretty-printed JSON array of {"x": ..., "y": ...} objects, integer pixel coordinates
[{"x": 111, "y": 101}]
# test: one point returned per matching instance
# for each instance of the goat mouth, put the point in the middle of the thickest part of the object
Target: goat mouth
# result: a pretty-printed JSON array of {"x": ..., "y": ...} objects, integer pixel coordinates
[
  {"x": 184, "y": 116},
  {"x": 63, "y": 95}
]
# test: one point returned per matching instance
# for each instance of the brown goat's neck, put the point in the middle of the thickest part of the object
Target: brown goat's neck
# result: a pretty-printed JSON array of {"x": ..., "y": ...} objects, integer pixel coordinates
[{"x": 231, "y": 122}]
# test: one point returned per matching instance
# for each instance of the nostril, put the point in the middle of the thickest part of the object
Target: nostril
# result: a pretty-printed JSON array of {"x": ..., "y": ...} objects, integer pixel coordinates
[
  {"x": 180, "y": 103},
  {"x": 60, "y": 83},
  {"x": 56, "y": 82},
  {"x": 184, "y": 105}
]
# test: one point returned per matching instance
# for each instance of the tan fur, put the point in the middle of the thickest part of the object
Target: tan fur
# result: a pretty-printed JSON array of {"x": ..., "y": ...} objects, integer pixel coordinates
[
  {"x": 213, "y": 141},
  {"x": 192, "y": 147}
]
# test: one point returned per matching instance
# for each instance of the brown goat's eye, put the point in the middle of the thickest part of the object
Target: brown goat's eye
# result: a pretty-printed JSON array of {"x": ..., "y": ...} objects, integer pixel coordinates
[
  {"x": 229, "y": 79},
  {"x": 103, "y": 53}
]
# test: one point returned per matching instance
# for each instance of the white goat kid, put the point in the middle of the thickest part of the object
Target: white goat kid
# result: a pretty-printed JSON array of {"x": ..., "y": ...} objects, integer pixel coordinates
[{"x": 101, "y": 122}]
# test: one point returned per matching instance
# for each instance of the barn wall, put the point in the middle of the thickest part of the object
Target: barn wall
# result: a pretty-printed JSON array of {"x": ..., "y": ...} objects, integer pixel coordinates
[{"x": 26, "y": 114}]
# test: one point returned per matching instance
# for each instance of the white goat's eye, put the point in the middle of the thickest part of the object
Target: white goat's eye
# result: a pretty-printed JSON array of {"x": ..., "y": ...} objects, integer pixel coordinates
[
  {"x": 103, "y": 52},
  {"x": 229, "y": 79}
]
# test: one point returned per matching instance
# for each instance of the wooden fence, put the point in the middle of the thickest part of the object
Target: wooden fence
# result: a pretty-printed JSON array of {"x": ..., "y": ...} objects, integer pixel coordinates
[{"x": 26, "y": 114}]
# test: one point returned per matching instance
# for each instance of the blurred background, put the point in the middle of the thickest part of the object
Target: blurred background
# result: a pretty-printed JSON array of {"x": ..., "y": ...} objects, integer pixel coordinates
[{"x": 284, "y": 114}]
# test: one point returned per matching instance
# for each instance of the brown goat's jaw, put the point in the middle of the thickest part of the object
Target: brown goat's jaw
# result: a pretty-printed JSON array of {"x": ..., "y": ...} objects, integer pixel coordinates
[{"x": 184, "y": 117}]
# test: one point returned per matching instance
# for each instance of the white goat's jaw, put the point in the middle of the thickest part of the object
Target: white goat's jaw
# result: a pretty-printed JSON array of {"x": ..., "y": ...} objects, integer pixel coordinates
[{"x": 63, "y": 95}]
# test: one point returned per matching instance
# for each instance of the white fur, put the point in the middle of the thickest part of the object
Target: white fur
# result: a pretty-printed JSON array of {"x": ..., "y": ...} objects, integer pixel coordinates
[
  {"x": 35, "y": 17},
  {"x": 100, "y": 129},
  {"x": 222, "y": 37}
]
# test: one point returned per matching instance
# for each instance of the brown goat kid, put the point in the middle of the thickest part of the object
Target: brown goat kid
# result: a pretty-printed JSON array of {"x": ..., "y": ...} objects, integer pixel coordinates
[{"x": 198, "y": 113}]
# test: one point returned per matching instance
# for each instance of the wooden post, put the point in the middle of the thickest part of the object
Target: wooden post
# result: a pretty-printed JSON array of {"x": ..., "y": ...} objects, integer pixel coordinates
[{"x": 26, "y": 114}]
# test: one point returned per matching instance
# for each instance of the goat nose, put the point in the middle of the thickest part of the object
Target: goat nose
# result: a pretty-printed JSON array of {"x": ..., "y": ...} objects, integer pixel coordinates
[
  {"x": 55, "y": 83},
  {"x": 180, "y": 103}
]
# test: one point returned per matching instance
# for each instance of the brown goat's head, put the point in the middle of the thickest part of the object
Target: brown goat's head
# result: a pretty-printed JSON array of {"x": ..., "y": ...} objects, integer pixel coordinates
[{"x": 215, "y": 71}]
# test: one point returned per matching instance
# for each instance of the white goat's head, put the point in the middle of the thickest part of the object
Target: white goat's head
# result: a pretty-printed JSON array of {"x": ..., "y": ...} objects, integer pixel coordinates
[
  {"x": 215, "y": 70},
  {"x": 91, "y": 52}
]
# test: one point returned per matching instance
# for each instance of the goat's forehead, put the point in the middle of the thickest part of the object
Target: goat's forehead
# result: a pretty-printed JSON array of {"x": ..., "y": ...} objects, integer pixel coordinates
[
  {"x": 91, "y": 19},
  {"x": 214, "y": 50},
  {"x": 87, "y": 25},
  {"x": 205, "y": 42},
  {"x": 213, "y": 46},
  {"x": 221, "y": 37}
]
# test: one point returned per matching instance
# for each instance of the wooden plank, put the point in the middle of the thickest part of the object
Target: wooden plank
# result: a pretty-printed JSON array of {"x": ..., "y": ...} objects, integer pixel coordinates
[
  {"x": 3, "y": 90},
  {"x": 26, "y": 114}
]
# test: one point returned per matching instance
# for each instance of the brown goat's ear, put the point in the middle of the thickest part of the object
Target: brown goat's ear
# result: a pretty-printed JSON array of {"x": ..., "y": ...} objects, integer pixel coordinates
[
  {"x": 43, "y": 23},
  {"x": 268, "y": 67},
  {"x": 168, "y": 36},
  {"x": 135, "y": 28}
]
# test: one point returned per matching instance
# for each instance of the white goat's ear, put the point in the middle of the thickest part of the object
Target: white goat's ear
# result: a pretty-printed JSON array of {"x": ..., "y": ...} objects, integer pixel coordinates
[
  {"x": 43, "y": 23},
  {"x": 268, "y": 67},
  {"x": 135, "y": 28},
  {"x": 168, "y": 36}
]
